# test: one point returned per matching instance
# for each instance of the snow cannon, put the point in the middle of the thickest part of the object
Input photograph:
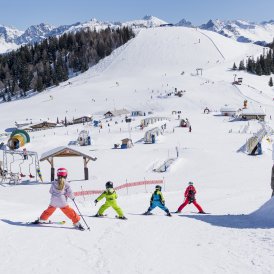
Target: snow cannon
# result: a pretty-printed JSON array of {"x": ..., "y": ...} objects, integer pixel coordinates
[{"x": 18, "y": 138}]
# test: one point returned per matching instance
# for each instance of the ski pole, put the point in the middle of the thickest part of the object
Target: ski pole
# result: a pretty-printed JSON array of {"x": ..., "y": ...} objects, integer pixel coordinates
[{"x": 81, "y": 215}]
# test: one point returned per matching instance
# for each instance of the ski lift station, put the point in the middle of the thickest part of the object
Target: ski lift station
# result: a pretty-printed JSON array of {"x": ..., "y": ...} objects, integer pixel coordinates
[
  {"x": 150, "y": 135},
  {"x": 249, "y": 114}
]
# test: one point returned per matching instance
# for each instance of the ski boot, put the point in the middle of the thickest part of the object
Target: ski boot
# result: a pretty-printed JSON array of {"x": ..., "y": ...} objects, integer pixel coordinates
[
  {"x": 147, "y": 213},
  {"x": 40, "y": 221},
  {"x": 79, "y": 226},
  {"x": 122, "y": 217},
  {"x": 99, "y": 215},
  {"x": 168, "y": 214}
]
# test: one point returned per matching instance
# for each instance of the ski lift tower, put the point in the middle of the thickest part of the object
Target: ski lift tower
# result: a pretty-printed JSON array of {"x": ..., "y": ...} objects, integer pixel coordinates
[
  {"x": 128, "y": 121},
  {"x": 199, "y": 70}
]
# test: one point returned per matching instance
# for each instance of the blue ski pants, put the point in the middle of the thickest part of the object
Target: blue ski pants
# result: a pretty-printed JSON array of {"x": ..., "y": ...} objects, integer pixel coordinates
[{"x": 159, "y": 204}]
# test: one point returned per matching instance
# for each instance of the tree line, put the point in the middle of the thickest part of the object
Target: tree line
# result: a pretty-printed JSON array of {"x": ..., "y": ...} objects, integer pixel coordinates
[
  {"x": 262, "y": 65},
  {"x": 55, "y": 59}
]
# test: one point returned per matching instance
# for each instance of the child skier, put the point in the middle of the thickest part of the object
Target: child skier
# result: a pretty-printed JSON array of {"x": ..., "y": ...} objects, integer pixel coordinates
[
  {"x": 157, "y": 199},
  {"x": 60, "y": 191},
  {"x": 190, "y": 198},
  {"x": 111, "y": 197},
  {"x": 25, "y": 154}
]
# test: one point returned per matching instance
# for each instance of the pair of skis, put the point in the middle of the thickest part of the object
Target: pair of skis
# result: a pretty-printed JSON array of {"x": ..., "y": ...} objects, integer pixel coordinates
[
  {"x": 37, "y": 222},
  {"x": 105, "y": 215}
]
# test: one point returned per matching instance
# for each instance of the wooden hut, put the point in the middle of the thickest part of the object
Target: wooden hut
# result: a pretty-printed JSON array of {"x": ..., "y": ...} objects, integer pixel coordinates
[
  {"x": 65, "y": 152},
  {"x": 82, "y": 119},
  {"x": 228, "y": 111},
  {"x": 43, "y": 125},
  {"x": 116, "y": 112},
  {"x": 126, "y": 143}
]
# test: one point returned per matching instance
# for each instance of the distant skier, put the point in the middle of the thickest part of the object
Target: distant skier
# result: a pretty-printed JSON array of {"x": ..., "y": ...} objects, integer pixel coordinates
[
  {"x": 157, "y": 200},
  {"x": 110, "y": 195},
  {"x": 190, "y": 198},
  {"x": 60, "y": 190},
  {"x": 39, "y": 174}
]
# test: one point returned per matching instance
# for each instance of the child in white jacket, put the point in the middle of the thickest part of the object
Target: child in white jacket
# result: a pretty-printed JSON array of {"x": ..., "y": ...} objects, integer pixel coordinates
[{"x": 60, "y": 190}]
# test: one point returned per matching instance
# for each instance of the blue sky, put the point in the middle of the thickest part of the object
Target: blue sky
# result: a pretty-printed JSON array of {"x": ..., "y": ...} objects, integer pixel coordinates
[{"x": 23, "y": 13}]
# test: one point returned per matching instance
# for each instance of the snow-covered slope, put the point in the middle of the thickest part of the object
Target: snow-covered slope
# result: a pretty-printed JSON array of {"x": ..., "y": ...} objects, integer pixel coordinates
[{"x": 231, "y": 185}]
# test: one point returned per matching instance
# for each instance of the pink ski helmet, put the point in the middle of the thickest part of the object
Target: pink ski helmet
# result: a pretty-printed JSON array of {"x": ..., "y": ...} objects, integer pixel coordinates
[{"x": 62, "y": 172}]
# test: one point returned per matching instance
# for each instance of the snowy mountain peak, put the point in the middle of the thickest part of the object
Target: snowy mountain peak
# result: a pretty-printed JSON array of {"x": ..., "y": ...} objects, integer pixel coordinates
[
  {"x": 242, "y": 30},
  {"x": 8, "y": 34},
  {"x": 184, "y": 23},
  {"x": 148, "y": 21},
  {"x": 35, "y": 33}
]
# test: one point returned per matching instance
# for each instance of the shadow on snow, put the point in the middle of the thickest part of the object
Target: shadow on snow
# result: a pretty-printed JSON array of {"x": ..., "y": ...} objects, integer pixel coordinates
[
  {"x": 233, "y": 221},
  {"x": 33, "y": 225}
]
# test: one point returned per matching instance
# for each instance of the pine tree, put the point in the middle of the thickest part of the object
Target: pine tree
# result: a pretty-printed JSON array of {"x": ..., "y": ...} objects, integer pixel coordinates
[
  {"x": 259, "y": 70},
  {"x": 234, "y": 66},
  {"x": 39, "y": 84},
  {"x": 242, "y": 65},
  {"x": 270, "y": 83}
]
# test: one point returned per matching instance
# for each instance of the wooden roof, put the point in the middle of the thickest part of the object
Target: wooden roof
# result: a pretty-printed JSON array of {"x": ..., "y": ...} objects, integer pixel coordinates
[{"x": 65, "y": 152}]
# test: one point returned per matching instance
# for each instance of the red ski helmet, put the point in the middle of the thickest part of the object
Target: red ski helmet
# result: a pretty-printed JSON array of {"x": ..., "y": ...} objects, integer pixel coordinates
[{"x": 62, "y": 172}]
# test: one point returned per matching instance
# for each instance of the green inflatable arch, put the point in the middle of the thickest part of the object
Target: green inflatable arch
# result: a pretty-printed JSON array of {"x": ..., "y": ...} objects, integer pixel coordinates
[{"x": 18, "y": 138}]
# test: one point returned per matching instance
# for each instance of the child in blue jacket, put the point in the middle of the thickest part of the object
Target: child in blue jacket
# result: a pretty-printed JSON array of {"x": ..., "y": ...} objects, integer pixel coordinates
[{"x": 157, "y": 199}]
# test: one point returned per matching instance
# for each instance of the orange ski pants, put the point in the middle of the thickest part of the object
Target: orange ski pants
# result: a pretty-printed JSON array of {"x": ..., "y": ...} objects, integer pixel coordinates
[{"x": 67, "y": 210}]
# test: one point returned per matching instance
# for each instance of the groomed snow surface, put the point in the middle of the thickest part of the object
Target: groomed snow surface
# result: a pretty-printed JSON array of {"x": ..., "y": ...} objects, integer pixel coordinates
[{"x": 236, "y": 237}]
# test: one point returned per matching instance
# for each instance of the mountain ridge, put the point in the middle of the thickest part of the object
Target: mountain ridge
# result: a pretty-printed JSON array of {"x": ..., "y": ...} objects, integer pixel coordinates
[{"x": 239, "y": 30}]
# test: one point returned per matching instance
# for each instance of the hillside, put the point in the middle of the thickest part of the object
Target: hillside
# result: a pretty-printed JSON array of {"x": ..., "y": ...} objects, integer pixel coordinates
[{"x": 231, "y": 185}]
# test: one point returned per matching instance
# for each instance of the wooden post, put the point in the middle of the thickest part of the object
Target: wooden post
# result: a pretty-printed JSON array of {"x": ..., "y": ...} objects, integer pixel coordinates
[
  {"x": 52, "y": 170},
  {"x": 85, "y": 168}
]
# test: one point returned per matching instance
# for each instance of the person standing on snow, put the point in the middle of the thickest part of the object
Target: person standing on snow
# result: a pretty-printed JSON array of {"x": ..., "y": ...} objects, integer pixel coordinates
[
  {"x": 110, "y": 195},
  {"x": 190, "y": 198},
  {"x": 60, "y": 190},
  {"x": 157, "y": 200},
  {"x": 25, "y": 154}
]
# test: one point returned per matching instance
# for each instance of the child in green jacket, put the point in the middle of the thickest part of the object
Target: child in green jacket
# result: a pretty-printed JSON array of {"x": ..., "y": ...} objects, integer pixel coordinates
[{"x": 111, "y": 197}]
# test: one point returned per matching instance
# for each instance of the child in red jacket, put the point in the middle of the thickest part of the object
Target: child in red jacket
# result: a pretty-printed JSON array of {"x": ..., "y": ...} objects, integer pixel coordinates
[{"x": 190, "y": 198}]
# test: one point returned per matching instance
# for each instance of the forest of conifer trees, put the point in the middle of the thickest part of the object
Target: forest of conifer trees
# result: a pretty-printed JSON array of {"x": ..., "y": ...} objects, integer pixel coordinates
[
  {"x": 42, "y": 65},
  {"x": 262, "y": 65}
]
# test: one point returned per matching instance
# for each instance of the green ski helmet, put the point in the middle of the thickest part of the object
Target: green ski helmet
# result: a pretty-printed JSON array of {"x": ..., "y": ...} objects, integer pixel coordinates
[{"x": 190, "y": 183}]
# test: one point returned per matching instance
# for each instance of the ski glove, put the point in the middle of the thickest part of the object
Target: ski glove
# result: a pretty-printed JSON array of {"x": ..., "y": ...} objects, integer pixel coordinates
[{"x": 95, "y": 202}]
